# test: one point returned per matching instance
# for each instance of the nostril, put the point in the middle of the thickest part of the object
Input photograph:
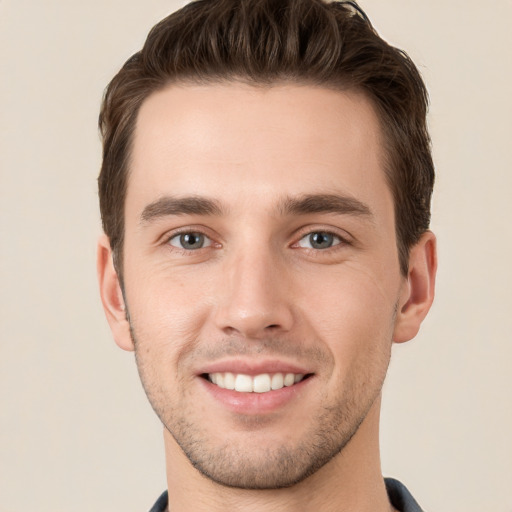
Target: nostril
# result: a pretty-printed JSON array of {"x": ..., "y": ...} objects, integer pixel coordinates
[{"x": 230, "y": 330}]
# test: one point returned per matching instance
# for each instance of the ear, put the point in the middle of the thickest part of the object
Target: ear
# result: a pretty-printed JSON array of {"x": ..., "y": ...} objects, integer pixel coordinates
[
  {"x": 112, "y": 296},
  {"x": 418, "y": 288}
]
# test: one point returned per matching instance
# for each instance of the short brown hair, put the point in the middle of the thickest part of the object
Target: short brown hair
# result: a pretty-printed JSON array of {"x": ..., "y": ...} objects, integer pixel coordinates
[{"x": 271, "y": 41}]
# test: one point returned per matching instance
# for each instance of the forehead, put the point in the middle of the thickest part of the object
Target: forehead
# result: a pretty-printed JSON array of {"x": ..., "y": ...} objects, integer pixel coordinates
[{"x": 244, "y": 143}]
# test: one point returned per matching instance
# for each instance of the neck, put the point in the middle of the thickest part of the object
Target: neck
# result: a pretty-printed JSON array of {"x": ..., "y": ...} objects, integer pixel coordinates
[{"x": 350, "y": 481}]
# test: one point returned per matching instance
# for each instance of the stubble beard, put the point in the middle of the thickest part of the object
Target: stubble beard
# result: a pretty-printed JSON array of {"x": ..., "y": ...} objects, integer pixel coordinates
[
  {"x": 233, "y": 466},
  {"x": 251, "y": 467}
]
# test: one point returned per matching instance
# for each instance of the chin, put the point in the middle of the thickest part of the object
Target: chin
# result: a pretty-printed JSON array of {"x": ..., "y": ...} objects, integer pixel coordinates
[{"x": 248, "y": 462}]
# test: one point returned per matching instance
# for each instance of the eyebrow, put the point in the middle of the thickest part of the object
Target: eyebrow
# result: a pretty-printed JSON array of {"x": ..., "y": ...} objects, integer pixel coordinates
[
  {"x": 301, "y": 205},
  {"x": 190, "y": 205},
  {"x": 324, "y": 203}
]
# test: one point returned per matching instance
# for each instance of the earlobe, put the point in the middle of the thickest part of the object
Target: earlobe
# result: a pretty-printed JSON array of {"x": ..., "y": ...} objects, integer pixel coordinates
[
  {"x": 418, "y": 288},
  {"x": 112, "y": 296}
]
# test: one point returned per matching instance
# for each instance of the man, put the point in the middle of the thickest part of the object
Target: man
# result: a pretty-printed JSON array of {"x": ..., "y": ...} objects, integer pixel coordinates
[{"x": 265, "y": 196}]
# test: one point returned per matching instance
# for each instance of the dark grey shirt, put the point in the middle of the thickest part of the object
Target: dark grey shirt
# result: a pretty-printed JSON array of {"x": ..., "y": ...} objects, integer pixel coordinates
[{"x": 398, "y": 494}]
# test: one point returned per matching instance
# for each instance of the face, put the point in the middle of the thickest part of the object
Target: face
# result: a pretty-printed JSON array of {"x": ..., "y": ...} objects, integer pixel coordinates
[{"x": 261, "y": 274}]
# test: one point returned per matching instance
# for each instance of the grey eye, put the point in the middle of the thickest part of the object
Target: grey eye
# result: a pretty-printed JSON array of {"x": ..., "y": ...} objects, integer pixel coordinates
[
  {"x": 190, "y": 241},
  {"x": 319, "y": 240}
]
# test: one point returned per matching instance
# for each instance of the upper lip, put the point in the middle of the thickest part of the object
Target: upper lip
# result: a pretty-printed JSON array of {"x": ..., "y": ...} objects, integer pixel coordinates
[{"x": 253, "y": 367}]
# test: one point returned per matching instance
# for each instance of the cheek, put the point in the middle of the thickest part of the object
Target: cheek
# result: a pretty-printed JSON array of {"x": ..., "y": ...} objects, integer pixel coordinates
[
  {"x": 166, "y": 313},
  {"x": 351, "y": 297},
  {"x": 353, "y": 315}
]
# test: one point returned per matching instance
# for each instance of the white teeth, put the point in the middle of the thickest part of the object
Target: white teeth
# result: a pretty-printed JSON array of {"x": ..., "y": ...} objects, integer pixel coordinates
[
  {"x": 229, "y": 381},
  {"x": 261, "y": 383},
  {"x": 243, "y": 383},
  {"x": 277, "y": 381},
  {"x": 289, "y": 379}
]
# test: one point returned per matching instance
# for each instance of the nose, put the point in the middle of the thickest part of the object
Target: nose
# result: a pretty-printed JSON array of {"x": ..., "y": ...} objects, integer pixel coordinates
[{"x": 255, "y": 298}]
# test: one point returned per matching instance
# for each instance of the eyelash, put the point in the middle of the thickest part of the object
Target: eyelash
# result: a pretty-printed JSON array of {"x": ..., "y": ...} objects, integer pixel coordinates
[
  {"x": 342, "y": 241},
  {"x": 189, "y": 231},
  {"x": 336, "y": 240}
]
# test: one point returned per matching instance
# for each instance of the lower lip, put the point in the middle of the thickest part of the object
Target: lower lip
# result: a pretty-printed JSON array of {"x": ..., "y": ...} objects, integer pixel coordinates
[{"x": 256, "y": 403}]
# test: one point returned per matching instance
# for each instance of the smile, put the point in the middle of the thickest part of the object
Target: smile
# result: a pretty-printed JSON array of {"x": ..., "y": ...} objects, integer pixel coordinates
[{"x": 261, "y": 383}]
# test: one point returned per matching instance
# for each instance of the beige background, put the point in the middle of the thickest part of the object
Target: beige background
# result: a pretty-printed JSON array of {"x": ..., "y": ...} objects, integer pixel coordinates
[{"x": 76, "y": 433}]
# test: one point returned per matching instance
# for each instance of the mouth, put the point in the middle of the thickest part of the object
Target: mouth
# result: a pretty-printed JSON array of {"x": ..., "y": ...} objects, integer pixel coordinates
[{"x": 261, "y": 383}]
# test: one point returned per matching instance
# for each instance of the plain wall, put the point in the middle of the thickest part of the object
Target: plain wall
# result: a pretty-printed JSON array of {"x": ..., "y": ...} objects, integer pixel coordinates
[{"x": 76, "y": 432}]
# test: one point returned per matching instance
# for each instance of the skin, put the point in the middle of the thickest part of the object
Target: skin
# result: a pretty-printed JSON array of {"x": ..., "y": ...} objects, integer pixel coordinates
[{"x": 260, "y": 294}]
